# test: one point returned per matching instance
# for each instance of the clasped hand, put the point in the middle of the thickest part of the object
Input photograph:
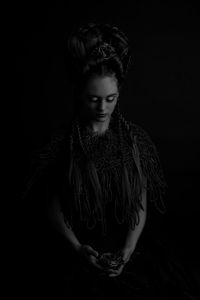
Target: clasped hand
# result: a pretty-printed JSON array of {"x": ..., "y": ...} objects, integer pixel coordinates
[{"x": 111, "y": 270}]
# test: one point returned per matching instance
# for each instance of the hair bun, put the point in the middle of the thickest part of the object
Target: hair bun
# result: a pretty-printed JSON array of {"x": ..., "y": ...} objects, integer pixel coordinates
[{"x": 97, "y": 42}]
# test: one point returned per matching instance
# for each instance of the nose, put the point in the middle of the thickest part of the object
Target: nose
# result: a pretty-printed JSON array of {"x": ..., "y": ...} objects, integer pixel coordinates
[{"x": 101, "y": 106}]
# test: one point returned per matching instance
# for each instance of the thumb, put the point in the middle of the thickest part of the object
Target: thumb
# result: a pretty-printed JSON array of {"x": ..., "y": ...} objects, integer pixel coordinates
[{"x": 92, "y": 251}]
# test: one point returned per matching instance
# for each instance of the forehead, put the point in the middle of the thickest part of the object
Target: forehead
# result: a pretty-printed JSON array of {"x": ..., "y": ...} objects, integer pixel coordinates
[{"x": 101, "y": 86}]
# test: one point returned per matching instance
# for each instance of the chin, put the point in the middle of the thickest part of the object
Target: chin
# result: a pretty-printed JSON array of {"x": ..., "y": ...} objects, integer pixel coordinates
[{"x": 102, "y": 120}]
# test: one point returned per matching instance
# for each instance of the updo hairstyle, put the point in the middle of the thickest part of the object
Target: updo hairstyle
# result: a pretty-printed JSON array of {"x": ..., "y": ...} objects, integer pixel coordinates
[{"x": 99, "y": 49}]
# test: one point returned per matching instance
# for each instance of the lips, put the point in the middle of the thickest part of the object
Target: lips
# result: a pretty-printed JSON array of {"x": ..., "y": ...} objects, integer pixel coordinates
[{"x": 101, "y": 115}]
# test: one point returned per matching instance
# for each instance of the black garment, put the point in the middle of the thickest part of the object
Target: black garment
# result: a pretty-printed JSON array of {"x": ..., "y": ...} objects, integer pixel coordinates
[{"x": 152, "y": 273}]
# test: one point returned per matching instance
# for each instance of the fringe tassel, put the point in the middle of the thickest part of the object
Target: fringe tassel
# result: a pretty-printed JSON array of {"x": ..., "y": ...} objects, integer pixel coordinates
[
  {"x": 105, "y": 182},
  {"x": 97, "y": 198},
  {"x": 153, "y": 172},
  {"x": 117, "y": 177},
  {"x": 126, "y": 192},
  {"x": 96, "y": 193},
  {"x": 75, "y": 180},
  {"x": 156, "y": 183},
  {"x": 136, "y": 157},
  {"x": 148, "y": 165},
  {"x": 123, "y": 185}
]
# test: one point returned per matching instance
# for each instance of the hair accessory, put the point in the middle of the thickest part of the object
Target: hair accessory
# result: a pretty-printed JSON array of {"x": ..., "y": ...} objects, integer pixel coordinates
[{"x": 105, "y": 51}]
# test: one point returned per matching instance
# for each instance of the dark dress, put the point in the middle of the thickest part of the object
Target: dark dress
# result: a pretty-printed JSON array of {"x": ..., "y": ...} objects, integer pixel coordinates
[{"x": 152, "y": 272}]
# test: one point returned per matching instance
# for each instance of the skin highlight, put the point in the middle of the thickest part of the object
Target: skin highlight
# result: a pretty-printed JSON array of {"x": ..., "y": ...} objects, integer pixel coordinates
[{"x": 99, "y": 99}]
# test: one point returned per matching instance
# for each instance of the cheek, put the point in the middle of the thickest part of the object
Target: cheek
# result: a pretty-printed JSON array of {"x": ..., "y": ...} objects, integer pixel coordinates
[
  {"x": 112, "y": 107},
  {"x": 90, "y": 107}
]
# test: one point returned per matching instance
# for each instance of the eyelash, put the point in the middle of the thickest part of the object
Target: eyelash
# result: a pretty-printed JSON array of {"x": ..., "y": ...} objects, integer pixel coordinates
[
  {"x": 109, "y": 100},
  {"x": 112, "y": 99}
]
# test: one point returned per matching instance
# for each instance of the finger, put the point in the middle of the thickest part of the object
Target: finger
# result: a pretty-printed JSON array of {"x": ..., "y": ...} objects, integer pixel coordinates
[
  {"x": 114, "y": 273},
  {"x": 98, "y": 266},
  {"x": 92, "y": 251},
  {"x": 94, "y": 263}
]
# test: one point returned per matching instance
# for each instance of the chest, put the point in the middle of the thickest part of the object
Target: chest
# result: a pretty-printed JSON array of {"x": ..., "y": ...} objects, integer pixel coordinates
[{"x": 107, "y": 151}]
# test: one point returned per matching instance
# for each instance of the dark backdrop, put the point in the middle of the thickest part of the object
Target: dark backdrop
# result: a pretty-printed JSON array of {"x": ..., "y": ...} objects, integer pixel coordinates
[{"x": 161, "y": 92}]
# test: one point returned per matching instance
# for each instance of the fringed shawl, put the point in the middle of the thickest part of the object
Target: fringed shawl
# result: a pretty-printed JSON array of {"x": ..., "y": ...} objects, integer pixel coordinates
[
  {"x": 101, "y": 176},
  {"x": 151, "y": 166}
]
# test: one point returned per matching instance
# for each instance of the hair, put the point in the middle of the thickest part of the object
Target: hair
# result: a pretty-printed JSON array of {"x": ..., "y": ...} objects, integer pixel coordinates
[
  {"x": 100, "y": 49},
  {"x": 96, "y": 49}
]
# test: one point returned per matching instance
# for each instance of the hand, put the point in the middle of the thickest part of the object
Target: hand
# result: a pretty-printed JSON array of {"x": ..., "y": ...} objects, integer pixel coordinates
[
  {"x": 126, "y": 254},
  {"x": 91, "y": 255},
  {"x": 115, "y": 272}
]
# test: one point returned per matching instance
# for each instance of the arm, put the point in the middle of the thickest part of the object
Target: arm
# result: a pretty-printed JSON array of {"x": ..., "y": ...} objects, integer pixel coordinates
[
  {"x": 57, "y": 219},
  {"x": 134, "y": 234}
]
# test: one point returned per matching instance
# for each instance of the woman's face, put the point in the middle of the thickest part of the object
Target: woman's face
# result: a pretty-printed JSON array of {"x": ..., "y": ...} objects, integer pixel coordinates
[{"x": 99, "y": 98}]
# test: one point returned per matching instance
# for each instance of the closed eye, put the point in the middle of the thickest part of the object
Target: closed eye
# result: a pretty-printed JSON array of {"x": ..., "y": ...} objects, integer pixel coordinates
[
  {"x": 93, "y": 99},
  {"x": 111, "y": 98}
]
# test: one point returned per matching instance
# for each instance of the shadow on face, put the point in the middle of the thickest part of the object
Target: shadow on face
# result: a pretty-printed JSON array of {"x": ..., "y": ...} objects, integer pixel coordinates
[{"x": 99, "y": 98}]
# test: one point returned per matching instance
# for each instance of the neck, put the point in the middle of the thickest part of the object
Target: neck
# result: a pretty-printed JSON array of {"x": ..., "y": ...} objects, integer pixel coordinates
[{"x": 97, "y": 127}]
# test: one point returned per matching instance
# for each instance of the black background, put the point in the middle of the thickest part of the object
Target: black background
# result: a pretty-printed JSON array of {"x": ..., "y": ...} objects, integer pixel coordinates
[{"x": 161, "y": 92}]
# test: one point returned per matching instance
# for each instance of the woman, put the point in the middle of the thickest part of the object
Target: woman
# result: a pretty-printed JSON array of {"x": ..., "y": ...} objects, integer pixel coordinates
[{"x": 107, "y": 169}]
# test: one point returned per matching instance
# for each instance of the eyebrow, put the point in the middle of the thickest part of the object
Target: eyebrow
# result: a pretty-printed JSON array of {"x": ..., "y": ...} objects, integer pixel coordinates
[{"x": 92, "y": 95}]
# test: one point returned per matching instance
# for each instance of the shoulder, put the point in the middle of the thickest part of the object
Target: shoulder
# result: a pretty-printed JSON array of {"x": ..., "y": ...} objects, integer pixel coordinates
[
  {"x": 138, "y": 131},
  {"x": 141, "y": 137},
  {"x": 143, "y": 147},
  {"x": 144, "y": 143},
  {"x": 140, "y": 140},
  {"x": 150, "y": 163}
]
